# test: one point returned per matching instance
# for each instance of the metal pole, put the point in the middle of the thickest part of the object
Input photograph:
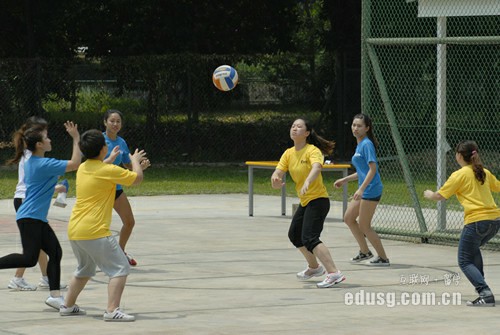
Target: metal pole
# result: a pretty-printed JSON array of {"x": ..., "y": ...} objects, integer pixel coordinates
[
  {"x": 344, "y": 194},
  {"x": 377, "y": 71},
  {"x": 283, "y": 196},
  {"x": 250, "y": 190},
  {"x": 441, "y": 145},
  {"x": 474, "y": 40},
  {"x": 365, "y": 34}
]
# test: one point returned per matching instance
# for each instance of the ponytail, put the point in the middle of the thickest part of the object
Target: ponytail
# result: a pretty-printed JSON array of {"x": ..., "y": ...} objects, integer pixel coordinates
[
  {"x": 322, "y": 144},
  {"x": 33, "y": 126},
  {"x": 469, "y": 151},
  {"x": 19, "y": 145}
]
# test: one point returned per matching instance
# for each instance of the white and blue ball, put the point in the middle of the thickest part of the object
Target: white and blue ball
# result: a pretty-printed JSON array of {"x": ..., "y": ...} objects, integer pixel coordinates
[{"x": 225, "y": 78}]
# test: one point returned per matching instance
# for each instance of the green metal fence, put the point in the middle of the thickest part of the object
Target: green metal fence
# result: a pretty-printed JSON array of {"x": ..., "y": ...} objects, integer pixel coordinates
[{"x": 430, "y": 78}]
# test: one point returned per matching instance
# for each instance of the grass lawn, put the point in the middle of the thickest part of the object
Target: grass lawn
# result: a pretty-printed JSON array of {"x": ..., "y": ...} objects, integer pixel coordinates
[{"x": 234, "y": 179}]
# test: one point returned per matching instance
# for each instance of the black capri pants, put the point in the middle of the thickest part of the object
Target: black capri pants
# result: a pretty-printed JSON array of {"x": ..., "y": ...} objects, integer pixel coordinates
[
  {"x": 37, "y": 235},
  {"x": 307, "y": 224}
]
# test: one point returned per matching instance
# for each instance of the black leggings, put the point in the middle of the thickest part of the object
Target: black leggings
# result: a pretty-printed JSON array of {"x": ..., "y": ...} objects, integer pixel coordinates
[
  {"x": 307, "y": 224},
  {"x": 37, "y": 235}
]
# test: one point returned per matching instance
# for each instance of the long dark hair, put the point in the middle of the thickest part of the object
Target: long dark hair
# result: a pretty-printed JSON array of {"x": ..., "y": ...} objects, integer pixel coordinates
[
  {"x": 368, "y": 122},
  {"x": 324, "y": 145},
  {"x": 470, "y": 152},
  {"x": 108, "y": 113},
  {"x": 23, "y": 137}
]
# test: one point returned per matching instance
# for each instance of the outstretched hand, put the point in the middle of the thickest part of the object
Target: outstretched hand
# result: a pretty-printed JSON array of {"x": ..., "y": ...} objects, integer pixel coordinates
[
  {"x": 114, "y": 153},
  {"x": 138, "y": 156},
  {"x": 145, "y": 163},
  {"x": 72, "y": 129},
  {"x": 277, "y": 182}
]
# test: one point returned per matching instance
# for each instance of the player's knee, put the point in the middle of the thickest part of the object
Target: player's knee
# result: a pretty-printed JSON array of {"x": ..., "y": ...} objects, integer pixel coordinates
[
  {"x": 365, "y": 229},
  {"x": 463, "y": 262},
  {"x": 349, "y": 220},
  {"x": 312, "y": 243},
  {"x": 55, "y": 255},
  {"x": 31, "y": 260},
  {"x": 295, "y": 240}
]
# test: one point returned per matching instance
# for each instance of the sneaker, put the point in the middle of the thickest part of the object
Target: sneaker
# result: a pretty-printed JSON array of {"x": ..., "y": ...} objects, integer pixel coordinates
[
  {"x": 378, "y": 261},
  {"x": 118, "y": 316},
  {"x": 362, "y": 257},
  {"x": 488, "y": 301},
  {"x": 331, "y": 279},
  {"x": 55, "y": 302},
  {"x": 69, "y": 311},
  {"x": 44, "y": 284},
  {"x": 309, "y": 273},
  {"x": 20, "y": 284},
  {"x": 131, "y": 260}
]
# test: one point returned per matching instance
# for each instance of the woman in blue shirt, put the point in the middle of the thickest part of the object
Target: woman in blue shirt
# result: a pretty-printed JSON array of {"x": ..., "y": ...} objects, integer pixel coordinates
[
  {"x": 366, "y": 198},
  {"x": 118, "y": 154},
  {"x": 40, "y": 177}
]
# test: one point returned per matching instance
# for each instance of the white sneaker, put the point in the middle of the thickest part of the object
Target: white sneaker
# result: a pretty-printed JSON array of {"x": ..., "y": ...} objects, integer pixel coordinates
[
  {"x": 44, "y": 284},
  {"x": 309, "y": 273},
  {"x": 118, "y": 316},
  {"x": 20, "y": 284},
  {"x": 73, "y": 310},
  {"x": 331, "y": 279},
  {"x": 55, "y": 302}
]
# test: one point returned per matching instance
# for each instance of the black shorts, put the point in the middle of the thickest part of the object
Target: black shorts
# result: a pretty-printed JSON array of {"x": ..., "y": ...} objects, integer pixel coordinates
[
  {"x": 373, "y": 199},
  {"x": 17, "y": 203},
  {"x": 118, "y": 193}
]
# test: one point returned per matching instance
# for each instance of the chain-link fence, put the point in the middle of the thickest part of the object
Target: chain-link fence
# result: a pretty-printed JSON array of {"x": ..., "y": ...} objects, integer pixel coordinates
[
  {"x": 171, "y": 107},
  {"x": 429, "y": 81}
]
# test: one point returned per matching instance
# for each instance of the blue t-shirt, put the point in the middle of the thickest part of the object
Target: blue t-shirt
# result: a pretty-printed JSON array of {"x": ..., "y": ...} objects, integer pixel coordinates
[
  {"x": 123, "y": 157},
  {"x": 40, "y": 177},
  {"x": 365, "y": 154}
]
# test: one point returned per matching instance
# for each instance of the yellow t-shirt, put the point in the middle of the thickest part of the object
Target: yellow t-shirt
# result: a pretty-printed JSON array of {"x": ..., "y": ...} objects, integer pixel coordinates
[
  {"x": 299, "y": 165},
  {"x": 95, "y": 195},
  {"x": 476, "y": 199}
]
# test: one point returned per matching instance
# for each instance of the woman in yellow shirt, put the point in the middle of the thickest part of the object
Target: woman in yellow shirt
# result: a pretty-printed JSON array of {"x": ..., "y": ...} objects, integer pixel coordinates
[
  {"x": 473, "y": 184},
  {"x": 303, "y": 161}
]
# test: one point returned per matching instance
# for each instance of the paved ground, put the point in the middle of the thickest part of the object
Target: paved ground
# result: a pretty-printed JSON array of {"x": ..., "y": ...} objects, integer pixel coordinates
[{"x": 206, "y": 267}]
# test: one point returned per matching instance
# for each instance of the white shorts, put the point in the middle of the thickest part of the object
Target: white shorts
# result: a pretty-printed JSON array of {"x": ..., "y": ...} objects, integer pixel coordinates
[{"x": 104, "y": 253}]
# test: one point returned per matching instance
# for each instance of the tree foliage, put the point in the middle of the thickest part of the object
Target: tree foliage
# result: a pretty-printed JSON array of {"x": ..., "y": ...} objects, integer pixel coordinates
[{"x": 124, "y": 27}]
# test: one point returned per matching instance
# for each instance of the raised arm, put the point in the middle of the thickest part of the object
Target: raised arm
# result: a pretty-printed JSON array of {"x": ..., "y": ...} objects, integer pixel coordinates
[{"x": 76, "y": 156}]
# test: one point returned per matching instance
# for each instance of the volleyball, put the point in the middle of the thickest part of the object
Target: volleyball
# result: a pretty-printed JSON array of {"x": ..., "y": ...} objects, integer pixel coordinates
[{"x": 225, "y": 78}]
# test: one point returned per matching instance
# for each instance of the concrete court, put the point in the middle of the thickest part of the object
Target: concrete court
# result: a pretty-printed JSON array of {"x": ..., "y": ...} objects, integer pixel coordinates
[{"x": 206, "y": 267}]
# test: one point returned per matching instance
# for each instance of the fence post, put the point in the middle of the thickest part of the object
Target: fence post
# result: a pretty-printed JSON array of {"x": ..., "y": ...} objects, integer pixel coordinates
[
  {"x": 365, "y": 34},
  {"x": 441, "y": 145},
  {"x": 397, "y": 138}
]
